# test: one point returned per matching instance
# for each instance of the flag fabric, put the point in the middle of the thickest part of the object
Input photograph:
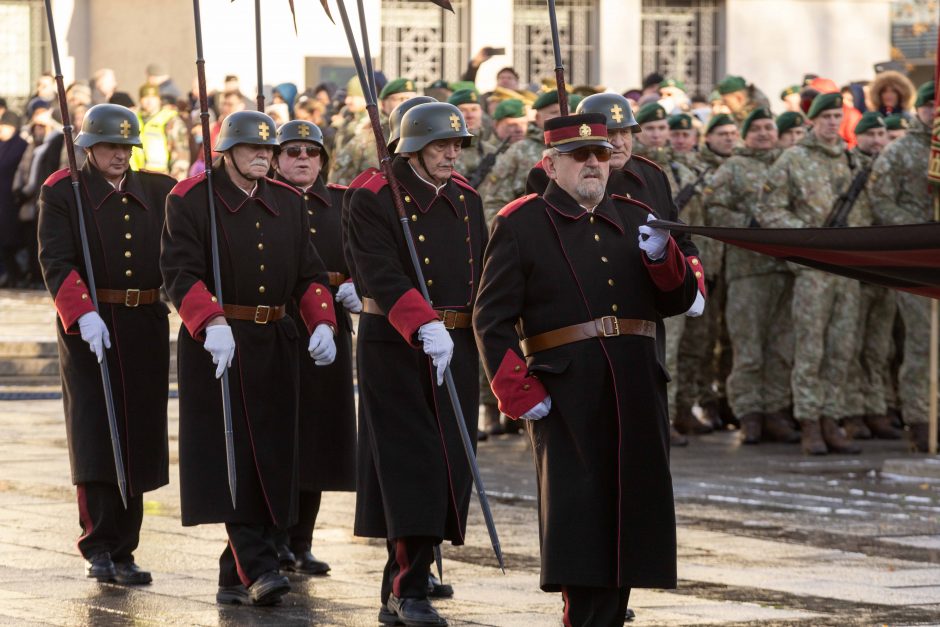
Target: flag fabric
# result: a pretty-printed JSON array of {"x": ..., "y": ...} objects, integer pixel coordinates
[{"x": 904, "y": 257}]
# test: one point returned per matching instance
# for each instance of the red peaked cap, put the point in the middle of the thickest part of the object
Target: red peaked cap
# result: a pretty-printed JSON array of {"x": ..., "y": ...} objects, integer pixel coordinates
[{"x": 570, "y": 132}]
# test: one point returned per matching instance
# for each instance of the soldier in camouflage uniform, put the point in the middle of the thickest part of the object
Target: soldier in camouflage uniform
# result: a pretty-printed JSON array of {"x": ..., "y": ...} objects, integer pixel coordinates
[
  {"x": 801, "y": 189},
  {"x": 870, "y": 371},
  {"x": 468, "y": 101},
  {"x": 758, "y": 293},
  {"x": 350, "y": 117},
  {"x": 358, "y": 153},
  {"x": 897, "y": 126},
  {"x": 741, "y": 98},
  {"x": 900, "y": 195},
  {"x": 791, "y": 129},
  {"x": 506, "y": 180}
]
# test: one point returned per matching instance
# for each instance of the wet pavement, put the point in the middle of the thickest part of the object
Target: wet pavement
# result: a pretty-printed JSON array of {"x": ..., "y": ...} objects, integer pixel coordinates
[{"x": 766, "y": 537}]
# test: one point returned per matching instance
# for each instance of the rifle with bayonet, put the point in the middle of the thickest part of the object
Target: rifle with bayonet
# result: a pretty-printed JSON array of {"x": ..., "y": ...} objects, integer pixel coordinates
[
  {"x": 686, "y": 193},
  {"x": 842, "y": 207},
  {"x": 483, "y": 170}
]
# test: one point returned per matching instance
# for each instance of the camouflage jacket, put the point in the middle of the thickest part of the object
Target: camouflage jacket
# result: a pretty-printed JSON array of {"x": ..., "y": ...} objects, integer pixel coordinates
[
  {"x": 803, "y": 185},
  {"x": 861, "y": 213},
  {"x": 506, "y": 180},
  {"x": 898, "y": 187},
  {"x": 470, "y": 158},
  {"x": 357, "y": 154},
  {"x": 730, "y": 198},
  {"x": 755, "y": 98}
]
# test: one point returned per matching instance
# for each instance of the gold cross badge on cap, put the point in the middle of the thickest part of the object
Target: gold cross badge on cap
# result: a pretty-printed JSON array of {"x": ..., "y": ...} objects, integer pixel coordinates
[
  {"x": 263, "y": 131},
  {"x": 303, "y": 131},
  {"x": 125, "y": 129},
  {"x": 454, "y": 122},
  {"x": 616, "y": 112}
]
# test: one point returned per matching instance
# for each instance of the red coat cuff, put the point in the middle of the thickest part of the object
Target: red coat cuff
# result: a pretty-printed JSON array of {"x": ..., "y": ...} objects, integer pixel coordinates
[
  {"x": 516, "y": 391},
  {"x": 699, "y": 271},
  {"x": 197, "y": 308},
  {"x": 669, "y": 272},
  {"x": 410, "y": 312},
  {"x": 316, "y": 307},
  {"x": 72, "y": 301}
]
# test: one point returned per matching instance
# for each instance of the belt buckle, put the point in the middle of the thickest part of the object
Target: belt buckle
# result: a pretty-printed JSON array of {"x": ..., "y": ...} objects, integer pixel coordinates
[
  {"x": 611, "y": 323},
  {"x": 449, "y": 318},
  {"x": 262, "y": 314},
  {"x": 131, "y": 298}
]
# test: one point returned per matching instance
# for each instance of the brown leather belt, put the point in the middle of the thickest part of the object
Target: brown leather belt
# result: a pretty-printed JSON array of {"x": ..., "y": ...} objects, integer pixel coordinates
[
  {"x": 608, "y": 326},
  {"x": 451, "y": 319},
  {"x": 128, "y": 298},
  {"x": 337, "y": 278},
  {"x": 262, "y": 314}
]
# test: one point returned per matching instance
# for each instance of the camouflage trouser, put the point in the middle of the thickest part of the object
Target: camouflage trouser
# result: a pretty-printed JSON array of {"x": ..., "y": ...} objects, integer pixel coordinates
[
  {"x": 675, "y": 326},
  {"x": 699, "y": 364},
  {"x": 759, "y": 322},
  {"x": 870, "y": 389},
  {"x": 914, "y": 378},
  {"x": 825, "y": 319}
]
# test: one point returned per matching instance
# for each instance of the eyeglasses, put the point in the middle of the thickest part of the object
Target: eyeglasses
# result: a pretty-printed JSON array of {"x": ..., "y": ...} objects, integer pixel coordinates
[
  {"x": 294, "y": 151},
  {"x": 583, "y": 154}
]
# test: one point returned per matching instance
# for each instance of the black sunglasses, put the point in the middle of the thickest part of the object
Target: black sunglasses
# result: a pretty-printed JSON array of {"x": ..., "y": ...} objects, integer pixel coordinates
[
  {"x": 294, "y": 151},
  {"x": 583, "y": 154}
]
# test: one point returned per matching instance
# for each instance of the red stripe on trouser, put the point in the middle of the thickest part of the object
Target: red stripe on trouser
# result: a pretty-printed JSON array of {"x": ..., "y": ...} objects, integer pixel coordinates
[
  {"x": 404, "y": 565},
  {"x": 84, "y": 517},
  {"x": 238, "y": 566},
  {"x": 566, "y": 621}
]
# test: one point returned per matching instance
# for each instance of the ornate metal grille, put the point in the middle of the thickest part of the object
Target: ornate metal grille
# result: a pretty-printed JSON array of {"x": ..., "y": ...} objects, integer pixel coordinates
[
  {"x": 680, "y": 40},
  {"x": 423, "y": 42},
  {"x": 533, "y": 56}
]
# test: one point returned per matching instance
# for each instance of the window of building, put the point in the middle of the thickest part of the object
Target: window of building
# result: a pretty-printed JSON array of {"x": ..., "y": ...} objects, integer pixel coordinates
[
  {"x": 681, "y": 41},
  {"x": 533, "y": 52},
  {"x": 914, "y": 31},
  {"x": 422, "y": 42}
]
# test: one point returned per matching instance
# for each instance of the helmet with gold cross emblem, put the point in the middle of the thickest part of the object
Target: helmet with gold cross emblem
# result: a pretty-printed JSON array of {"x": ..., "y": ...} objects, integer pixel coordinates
[
  {"x": 614, "y": 107},
  {"x": 109, "y": 123},
  {"x": 246, "y": 127},
  {"x": 430, "y": 122},
  {"x": 302, "y": 131}
]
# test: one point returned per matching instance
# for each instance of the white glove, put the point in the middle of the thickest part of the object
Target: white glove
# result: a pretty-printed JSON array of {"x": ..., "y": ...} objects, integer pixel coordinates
[
  {"x": 539, "y": 411},
  {"x": 437, "y": 345},
  {"x": 322, "y": 348},
  {"x": 697, "y": 307},
  {"x": 347, "y": 297},
  {"x": 95, "y": 332},
  {"x": 653, "y": 241},
  {"x": 221, "y": 345}
]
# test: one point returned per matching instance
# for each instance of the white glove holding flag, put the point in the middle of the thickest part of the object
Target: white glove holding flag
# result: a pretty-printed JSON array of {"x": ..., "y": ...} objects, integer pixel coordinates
[
  {"x": 652, "y": 240},
  {"x": 221, "y": 345},
  {"x": 539, "y": 411},
  {"x": 438, "y": 345},
  {"x": 95, "y": 332},
  {"x": 322, "y": 348},
  {"x": 347, "y": 297}
]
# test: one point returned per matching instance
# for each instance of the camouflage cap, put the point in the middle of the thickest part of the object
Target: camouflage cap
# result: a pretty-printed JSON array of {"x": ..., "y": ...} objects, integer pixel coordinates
[
  {"x": 672, "y": 82},
  {"x": 614, "y": 107},
  {"x": 680, "y": 122},
  {"x": 870, "y": 120},
  {"x": 731, "y": 84},
  {"x": 790, "y": 119},
  {"x": 511, "y": 108},
  {"x": 722, "y": 119},
  {"x": 246, "y": 127},
  {"x": 925, "y": 94},
  {"x": 897, "y": 122},
  {"x": 824, "y": 102},
  {"x": 464, "y": 96},
  {"x": 789, "y": 91},
  {"x": 650, "y": 113},
  {"x": 109, "y": 123},
  {"x": 760, "y": 113},
  {"x": 546, "y": 99},
  {"x": 397, "y": 86}
]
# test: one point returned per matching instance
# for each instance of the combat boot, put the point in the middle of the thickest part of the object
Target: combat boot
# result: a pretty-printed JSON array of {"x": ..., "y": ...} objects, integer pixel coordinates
[
  {"x": 752, "y": 424},
  {"x": 811, "y": 438},
  {"x": 920, "y": 437},
  {"x": 882, "y": 428},
  {"x": 711, "y": 414},
  {"x": 676, "y": 438},
  {"x": 687, "y": 423},
  {"x": 778, "y": 427},
  {"x": 835, "y": 437},
  {"x": 855, "y": 428}
]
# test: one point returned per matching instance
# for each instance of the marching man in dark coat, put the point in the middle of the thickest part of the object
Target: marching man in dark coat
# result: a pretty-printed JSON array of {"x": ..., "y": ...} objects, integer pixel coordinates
[
  {"x": 266, "y": 260},
  {"x": 414, "y": 481},
  {"x": 123, "y": 212},
  {"x": 587, "y": 293},
  {"x": 327, "y": 425}
]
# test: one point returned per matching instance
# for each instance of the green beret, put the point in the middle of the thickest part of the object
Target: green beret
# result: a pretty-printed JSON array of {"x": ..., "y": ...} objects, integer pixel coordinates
[
  {"x": 680, "y": 122},
  {"x": 722, "y": 119},
  {"x": 824, "y": 102},
  {"x": 760, "y": 113},
  {"x": 458, "y": 85},
  {"x": 671, "y": 82},
  {"x": 573, "y": 101},
  {"x": 546, "y": 99},
  {"x": 650, "y": 113},
  {"x": 870, "y": 120},
  {"x": 464, "y": 96},
  {"x": 925, "y": 94},
  {"x": 897, "y": 122},
  {"x": 397, "y": 86},
  {"x": 714, "y": 95},
  {"x": 509, "y": 108},
  {"x": 788, "y": 120},
  {"x": 789, "y": 91},
  {"x": 731, "y": 84}
]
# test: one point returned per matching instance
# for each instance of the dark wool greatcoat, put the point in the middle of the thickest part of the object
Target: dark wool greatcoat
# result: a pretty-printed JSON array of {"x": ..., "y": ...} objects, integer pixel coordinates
[
  {"x": 414, "y": 479},
  {"x": 123, "y": 229},
  {"x": 327, "y": 419},
  {"x": 606, "y": 515},
  {"x": 266, "y": 258}
]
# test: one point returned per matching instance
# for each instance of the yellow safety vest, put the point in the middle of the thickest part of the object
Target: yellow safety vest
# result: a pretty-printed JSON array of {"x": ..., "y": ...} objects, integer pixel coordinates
[{"x": 154, "y": 155}]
